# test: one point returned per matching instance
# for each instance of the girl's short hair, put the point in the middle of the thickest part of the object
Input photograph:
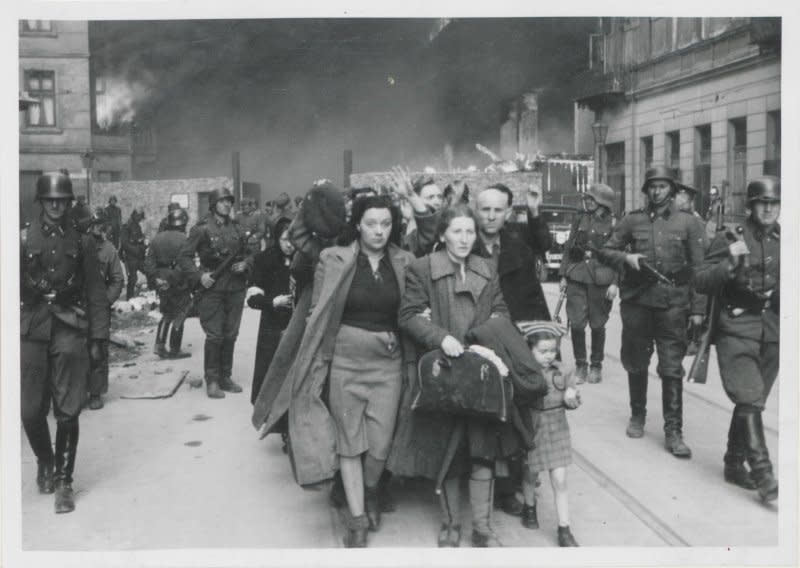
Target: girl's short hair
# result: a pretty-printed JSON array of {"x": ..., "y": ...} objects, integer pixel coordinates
[{"x": 454, "y": 211}]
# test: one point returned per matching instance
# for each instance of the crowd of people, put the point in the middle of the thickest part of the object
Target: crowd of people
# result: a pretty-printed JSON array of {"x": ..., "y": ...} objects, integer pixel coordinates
[{"x": 355, "y": 287}]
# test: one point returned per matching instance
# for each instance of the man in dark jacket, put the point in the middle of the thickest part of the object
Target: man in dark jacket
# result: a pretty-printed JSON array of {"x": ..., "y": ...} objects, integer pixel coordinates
[
  {"x": 133, "y": 248},
  {"x": 114, "y": 220},
  {"x": 63, "y": 306}
]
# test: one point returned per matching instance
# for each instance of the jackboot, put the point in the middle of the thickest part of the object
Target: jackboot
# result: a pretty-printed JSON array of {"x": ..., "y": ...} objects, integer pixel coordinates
[
  {"x": 66, "y": 450},
  {"x": 372, "y": 508},
  {"x": 226, "y": 367},
  {"x": 211, "y": 366},
  {"x": 38, "y": 433},
  {"x": 355, "y": 535},
  {"x": 161, "y": 338},
  {"x": 758, "y": 455},
  {"x": 481, "y": 501},
  {"x": 175, "y": 339},
  {"x": 735, "y": 472},
  {"x": 672, "y": 407},
  {"x": 637, "y": 390},
  {"x": 598, "y": 349},
  {"x": 579, "y": 350}
]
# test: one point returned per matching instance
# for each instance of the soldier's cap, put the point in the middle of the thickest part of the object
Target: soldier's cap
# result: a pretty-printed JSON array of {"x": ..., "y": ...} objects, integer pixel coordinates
[
  {"x": 687, "y": 188},
  {"x": 531, "y": 327}
]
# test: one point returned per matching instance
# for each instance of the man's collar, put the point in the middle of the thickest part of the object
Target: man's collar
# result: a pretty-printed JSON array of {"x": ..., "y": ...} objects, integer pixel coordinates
[
  {"x": 666, "y": 212},
  {"x": 51, "y": 229}
]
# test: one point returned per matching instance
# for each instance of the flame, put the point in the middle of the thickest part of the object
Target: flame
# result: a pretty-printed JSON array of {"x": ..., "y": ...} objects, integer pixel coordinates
[{"x": 117, "y": 102}]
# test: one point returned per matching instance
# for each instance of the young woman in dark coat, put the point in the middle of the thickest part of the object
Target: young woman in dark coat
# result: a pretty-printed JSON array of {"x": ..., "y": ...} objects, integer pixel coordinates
[{"x": 270, "y": 293}]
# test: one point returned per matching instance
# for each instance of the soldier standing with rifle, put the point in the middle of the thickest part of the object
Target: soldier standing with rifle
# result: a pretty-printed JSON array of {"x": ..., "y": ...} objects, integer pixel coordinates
[
  {"x": 218, "y": 239},
  {"x": 133, "y": 249},
  {"x": 63, "y": 306},
  {"x": 591, "y": 286},
  {"x": 742, "y": 269},
  {"x": 666, "y": 250},
  {"x": 161, "y": 268}
]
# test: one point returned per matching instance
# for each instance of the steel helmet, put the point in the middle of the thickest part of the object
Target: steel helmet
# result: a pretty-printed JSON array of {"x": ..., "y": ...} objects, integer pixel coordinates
[
  {"x": 686, "y": 188},
  {"x": 764, "y": 188},
  {"x": 603, "y": 194},
  {"x": 219, "y": 193},
  {"x": 82, "y": 216},
  {"x": 177, "y": 218},
  {"x": 173, "y": 206},
  {"x": 55, "y": 186},
  {"x": 659, "y": 173}
]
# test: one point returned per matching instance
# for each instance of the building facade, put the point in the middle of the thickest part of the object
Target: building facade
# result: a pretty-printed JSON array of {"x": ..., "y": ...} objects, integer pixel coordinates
[{"x": 699, "y": 95}]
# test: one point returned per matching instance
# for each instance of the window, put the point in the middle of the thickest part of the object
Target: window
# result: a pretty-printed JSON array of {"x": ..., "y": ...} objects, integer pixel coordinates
[
  {"x": 702, "y": 162},
  {"x": 37, "y": 26},
  {"x": 41, "y": 85},
  {"x": 772, "y": 165},
  {"x": 737, "y": 167},
  {"x": 647, "y": 153},
  {"x": 673, "y": 152}
]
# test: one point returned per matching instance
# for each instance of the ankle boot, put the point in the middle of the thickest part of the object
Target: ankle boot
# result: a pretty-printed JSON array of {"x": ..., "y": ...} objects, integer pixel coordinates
[
  {"x": 758, "y": 456},
  {"x": 355, "y": 530},
  {"x": 595, "y": 374},
  {"x": 565, "y": 537},
  {"x": 579, "y": 350},
  {"x": 672, "y": 407},
  {"x": 66, "y": 450},
  {"x": 226, "y": 365},
  {"x": 175, "y": 339},
  {"x": 44, "y": 478},
  {"x": 529, "y": 519},
  {"x": 211, "y": 365},
  {"x": 598, "y": 349},
  {"x": 481, "y": 500},
  {"x": 372, "y": 509},
  {"x": 735, "y": 472},
  {"x": 38, "y": 433}
]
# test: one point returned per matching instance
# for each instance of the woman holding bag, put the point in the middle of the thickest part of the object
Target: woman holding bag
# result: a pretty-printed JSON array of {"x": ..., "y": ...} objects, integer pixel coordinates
[{"x": 448, "y": 293}]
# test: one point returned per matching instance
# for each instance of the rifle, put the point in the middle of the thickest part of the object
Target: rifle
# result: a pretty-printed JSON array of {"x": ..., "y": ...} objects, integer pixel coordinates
[{"x": 561, "y": 297}]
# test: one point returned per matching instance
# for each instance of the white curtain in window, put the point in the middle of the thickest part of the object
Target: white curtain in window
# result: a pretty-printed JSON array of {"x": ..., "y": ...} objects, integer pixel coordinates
[
  {"x": 34, "y": 113},
  {"x": 49, "y": 111}
]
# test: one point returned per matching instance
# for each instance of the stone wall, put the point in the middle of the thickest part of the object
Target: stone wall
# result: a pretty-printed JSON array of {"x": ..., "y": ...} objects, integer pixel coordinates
[{"x": 155, "y": 195}]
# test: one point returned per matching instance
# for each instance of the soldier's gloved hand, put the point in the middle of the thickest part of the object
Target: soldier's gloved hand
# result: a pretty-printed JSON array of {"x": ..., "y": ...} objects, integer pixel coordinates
[
  {"x": 612, "y": 292},
  {"x": 239, "y": 267},
  {"x": 632, "y": 260},
  {"x": 696, "y": 320},
  {"x": 452, "y": 347},
  {"x": 206, "y": 280},
  {"x": 562, "y": 284},
  {"x": 95, "y": 351}
]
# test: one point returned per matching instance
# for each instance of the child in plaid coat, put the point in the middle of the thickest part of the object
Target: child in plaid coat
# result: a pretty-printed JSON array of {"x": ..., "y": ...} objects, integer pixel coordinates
[{"x": 552, "y": 448}]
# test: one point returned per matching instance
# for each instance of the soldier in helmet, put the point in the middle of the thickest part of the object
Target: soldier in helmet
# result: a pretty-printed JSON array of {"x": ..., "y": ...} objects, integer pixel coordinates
[
  {"x": 164, "y": 223},
  {"x": 164, "y": 276},
  {"x": 133, "y": 249},
  {"x": 742, "y": 268},
  {"x": 653, "y": 312},
  {"x": 591, "y": 286},
  {"x": 63, "y": 309},
  {"x": 214, "y": 239},
  {"x": 114, "y": 214},
  {"x": 253, "y": 221}
]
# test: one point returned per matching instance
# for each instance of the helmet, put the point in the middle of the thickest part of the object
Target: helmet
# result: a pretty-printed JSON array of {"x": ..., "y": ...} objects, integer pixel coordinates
[
  {"x": 56, "y": 186},
  {"x": 173, "y": 206},
  {"x": 659, "y": 172},
  {"x": 219, "y": 193},
  {"x": 100, "y": 216},
  {"x": 764, "y": 188},
  {"x": 603, "y": 194},
  {"x": 686, "y": 188},
  {"x": 82, "y": 217},
  {"x": 177, "y": 218}
]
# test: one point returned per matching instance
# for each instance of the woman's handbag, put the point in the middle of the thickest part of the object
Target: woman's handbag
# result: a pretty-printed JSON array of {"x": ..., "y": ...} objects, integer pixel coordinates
[{"x": 469, "y": 385}]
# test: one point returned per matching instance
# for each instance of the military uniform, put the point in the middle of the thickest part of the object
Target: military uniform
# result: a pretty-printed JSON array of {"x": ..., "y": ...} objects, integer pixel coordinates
[
  {"x": 653, "y": 312},
  {"x": 133, "y": 251},
  {"x": 256, "y": 224},
  {"x": 747, "y": 341},
  {"x": 63, "y": 302},
  {"x": 220, "y": 307}
]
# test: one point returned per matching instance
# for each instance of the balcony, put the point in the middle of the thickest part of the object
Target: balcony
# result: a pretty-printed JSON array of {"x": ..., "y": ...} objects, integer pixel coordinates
[{"x": 593, "y": 88}]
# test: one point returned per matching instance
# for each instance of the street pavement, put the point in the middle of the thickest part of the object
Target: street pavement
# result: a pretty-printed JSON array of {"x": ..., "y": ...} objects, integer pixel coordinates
[{"x": 190, "y": 472}]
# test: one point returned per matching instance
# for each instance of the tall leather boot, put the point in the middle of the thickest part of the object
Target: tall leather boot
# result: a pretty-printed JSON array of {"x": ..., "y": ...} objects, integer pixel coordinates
[
  {"x": 66, "y": 450},
  {"x": 735, "y": 472},
  {"x": 481, "y": 500},
  {"x": 38, "y": 433},
  {"x": 672, "y": 407},
  {"x": 212, "y": 352},
  {"x": 161, "y": 338},
  {"x": 637, "y": 390},
  {"x": 758, "y": 455},
  {"x": 598, "y": 349},
  {"x": 175, "y": 340},
  {"x": 579, "y": 350},
  {"x": 226, "y": 365}
]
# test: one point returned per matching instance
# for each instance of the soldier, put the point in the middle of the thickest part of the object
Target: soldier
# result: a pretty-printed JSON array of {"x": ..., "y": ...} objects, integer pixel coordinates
[
  {"x": 115, "y": 220},
  {"x": 164, "y": 276},
  {"x": 214, "y": 239},
  {"x": 670, "y": 241},
  {"x": 590, "y": 285},
  {"x": 133, "y": 249},
  {"x": 742, "y": 268},
  {"x": 63, "y": 306},
  {"x": 253, "y": 221},
  {"x": 113, "y": 279},
  {"x": 164, "y": 223}
]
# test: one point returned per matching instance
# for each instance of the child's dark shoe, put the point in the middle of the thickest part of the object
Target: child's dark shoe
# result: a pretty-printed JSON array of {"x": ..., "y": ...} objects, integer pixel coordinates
[{"x": 529, "y": 520}]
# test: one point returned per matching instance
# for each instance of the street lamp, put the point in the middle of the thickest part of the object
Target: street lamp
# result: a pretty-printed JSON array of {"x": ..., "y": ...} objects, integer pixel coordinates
[
  {"x": 600, "y": 131},
  {"x": 87, "y": 159}
]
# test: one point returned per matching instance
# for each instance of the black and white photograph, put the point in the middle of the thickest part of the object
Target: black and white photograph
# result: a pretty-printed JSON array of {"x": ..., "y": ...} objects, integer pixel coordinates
[{"x": 572, "y": 222}]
